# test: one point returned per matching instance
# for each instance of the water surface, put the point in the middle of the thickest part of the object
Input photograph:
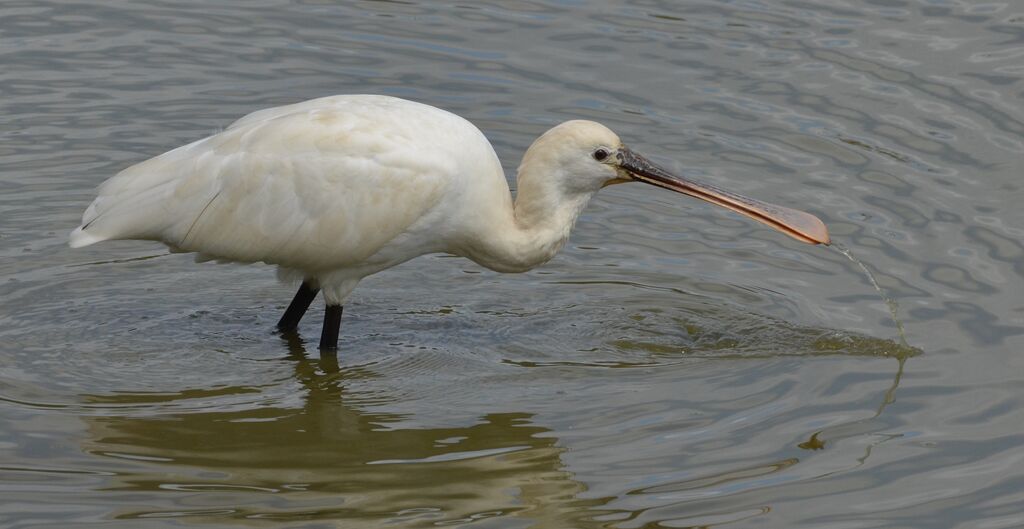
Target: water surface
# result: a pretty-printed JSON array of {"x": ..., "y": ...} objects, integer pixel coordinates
[{"x": 675, "y": 366}]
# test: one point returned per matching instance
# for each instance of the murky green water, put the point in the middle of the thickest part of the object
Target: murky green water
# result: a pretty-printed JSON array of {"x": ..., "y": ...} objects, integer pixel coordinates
[{"x": 675, "y": 366}]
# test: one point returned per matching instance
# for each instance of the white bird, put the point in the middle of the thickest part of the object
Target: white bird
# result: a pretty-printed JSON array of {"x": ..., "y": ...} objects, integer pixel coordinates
[{"x": 335, "y": 189}]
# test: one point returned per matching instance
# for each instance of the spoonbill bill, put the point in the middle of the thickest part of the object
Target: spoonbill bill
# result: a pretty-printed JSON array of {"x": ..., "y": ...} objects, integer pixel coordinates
[{"x": 335, "y": 189}]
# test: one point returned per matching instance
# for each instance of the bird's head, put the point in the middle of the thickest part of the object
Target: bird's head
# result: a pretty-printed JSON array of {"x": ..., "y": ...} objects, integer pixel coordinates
[{"x": 584, "y": 156}]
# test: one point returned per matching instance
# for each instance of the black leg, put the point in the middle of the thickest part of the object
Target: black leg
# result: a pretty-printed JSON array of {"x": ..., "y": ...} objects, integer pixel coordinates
[
  {"x": 290, "y": 320},
  {"x": 332, "y": 322}
]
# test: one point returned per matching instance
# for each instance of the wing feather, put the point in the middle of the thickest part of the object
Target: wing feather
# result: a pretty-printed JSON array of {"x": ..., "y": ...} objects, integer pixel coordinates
[{"x": 317, "y": 185}]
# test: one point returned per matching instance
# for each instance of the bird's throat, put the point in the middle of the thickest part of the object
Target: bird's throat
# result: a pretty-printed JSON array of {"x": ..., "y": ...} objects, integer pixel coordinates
[{"x": 538, "y": 228}]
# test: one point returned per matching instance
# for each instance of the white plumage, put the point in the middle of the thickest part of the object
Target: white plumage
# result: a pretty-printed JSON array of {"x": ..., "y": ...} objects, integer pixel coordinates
[
  {"x": 313, "y": 187},
  {"x": 334, "y": 189}
]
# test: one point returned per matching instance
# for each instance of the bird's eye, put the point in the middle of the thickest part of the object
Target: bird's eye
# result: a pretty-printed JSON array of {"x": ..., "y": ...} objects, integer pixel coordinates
[{"x": 600, "y": 154}]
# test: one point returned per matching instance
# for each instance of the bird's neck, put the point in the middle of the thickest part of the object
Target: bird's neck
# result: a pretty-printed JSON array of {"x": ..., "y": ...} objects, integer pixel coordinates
[{"x": 535, "y": 228}]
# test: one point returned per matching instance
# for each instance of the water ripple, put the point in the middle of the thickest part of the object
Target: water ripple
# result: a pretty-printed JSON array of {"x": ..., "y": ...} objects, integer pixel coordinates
[{"x": 675, "y": 366}]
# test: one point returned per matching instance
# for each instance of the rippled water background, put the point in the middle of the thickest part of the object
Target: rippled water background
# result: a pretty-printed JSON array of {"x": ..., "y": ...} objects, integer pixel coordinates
[{"x": 675, "y": 366}]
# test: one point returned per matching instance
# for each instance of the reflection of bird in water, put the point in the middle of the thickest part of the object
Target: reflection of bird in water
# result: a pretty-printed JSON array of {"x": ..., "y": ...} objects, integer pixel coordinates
[
  {"x": 322, "y": 453},
  {"x": 328, "y": 460},
  {"x": 335, "y": 189}
]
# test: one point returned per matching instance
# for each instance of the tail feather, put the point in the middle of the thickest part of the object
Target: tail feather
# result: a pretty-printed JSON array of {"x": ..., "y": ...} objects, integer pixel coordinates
[
  {"x": 135, "y": 203},
  {"x": 129, "y": 216},
  {"x": 80, "y": 238}
]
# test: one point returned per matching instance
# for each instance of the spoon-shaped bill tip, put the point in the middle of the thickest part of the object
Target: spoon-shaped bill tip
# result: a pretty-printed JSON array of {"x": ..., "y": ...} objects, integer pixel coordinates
[{"x": 799, "y": 225}]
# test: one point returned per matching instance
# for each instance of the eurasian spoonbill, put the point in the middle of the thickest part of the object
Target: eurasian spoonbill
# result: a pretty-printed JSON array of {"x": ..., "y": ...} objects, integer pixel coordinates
[{"x": 334, "y": 189}]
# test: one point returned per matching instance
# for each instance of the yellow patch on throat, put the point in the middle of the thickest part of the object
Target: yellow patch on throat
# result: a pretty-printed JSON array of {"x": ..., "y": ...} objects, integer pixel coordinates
[{"x": 614, "y": 181}]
